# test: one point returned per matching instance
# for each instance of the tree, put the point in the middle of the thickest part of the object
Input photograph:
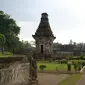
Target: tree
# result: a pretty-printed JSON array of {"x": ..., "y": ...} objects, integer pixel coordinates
[
  {"x": 26, "y": 45},
  {"x": 2, "y": 42},
  {"x": 56, "y": 45},
  {"x": 9, "y": 29},
  {"x": 23, "y": 47},
  {"x": 20, "y": 48}
]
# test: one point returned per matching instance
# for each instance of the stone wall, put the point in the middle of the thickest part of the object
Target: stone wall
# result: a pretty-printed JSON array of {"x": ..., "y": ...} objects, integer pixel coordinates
[
  {"x": 47, "y": 46},
  {"x": 16, "y": 74}
]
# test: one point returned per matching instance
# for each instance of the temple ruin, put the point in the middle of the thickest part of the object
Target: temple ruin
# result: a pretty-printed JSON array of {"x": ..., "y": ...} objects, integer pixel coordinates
[{"x": 44, "y": 38}]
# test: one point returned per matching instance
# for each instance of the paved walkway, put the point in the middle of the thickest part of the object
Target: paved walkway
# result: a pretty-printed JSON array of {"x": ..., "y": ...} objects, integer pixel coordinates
[
  {"x": 50, "y": 79},
  {"x": 82, "y": 80}
]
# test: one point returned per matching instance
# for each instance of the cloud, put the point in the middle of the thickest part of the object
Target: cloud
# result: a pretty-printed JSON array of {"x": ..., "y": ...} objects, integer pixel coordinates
[
  {"x": 27, "y": 29},
  {"x": 66, "y": 17}
]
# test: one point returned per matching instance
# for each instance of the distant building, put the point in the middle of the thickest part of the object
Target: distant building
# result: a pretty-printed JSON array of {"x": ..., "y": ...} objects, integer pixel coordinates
[{"x": 68, "y": 50}]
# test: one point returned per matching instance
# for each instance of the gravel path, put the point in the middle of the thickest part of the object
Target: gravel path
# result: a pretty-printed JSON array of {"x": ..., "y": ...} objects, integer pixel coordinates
[
  {"x": 50, "y": 79},
  {"x": 82, "y": 80}
]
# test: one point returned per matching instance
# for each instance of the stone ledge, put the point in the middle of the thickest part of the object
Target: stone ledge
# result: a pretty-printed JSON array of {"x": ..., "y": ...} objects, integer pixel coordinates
[{"x": 16, "y": 74}]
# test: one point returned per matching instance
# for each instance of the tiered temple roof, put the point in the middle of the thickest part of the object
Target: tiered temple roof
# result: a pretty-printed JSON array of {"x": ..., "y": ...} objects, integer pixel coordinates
[{"x": 44, "y": 29}]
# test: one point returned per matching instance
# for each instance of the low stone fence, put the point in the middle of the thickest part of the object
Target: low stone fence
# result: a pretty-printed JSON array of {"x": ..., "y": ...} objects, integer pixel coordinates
[{"x": 16, "y": 74}]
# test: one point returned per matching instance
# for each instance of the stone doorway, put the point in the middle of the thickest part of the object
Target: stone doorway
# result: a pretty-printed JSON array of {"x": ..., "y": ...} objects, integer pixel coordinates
[{"x": 41, "y": 48}]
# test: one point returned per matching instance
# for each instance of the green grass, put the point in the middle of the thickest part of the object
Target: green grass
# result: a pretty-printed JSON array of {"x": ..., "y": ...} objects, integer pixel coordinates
[
  {"x": 52, "y": 66},
  {"x": 6, "y": 54},
  {"x": 71, "y": 80}
]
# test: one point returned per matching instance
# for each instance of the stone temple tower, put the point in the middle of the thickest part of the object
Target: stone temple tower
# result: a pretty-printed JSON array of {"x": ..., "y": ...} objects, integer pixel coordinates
[{"x": 44, "y": 38}]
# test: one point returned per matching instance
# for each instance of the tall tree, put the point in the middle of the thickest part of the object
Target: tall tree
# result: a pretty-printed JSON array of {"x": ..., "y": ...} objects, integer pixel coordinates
[
  {"x": 9, "y": 29},
  {"x": 2, "y": 42}
]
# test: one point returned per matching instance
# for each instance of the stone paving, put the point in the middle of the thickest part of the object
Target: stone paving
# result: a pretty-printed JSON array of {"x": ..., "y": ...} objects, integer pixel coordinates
[{"x": 50, "y": 79}]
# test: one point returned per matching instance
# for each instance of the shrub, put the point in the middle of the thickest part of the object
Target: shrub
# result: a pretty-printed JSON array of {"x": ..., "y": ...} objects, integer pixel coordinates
[
  {"x": 50, "y": 60},
  {"x": 69, "y": 66},
  {"x": 81, "y": 57},
  {"x": 76, "y": 65},
  {"x": 79, "y": 68},
  {"x": 42, "y": 67},
  {"x": 64, "y": 61},
  {"x": 83, "y": 64},
  {"x": 56, "y": 68}
]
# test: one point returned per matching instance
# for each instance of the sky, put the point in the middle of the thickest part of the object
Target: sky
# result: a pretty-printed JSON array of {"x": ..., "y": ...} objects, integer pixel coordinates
[{"x": 66, "y": 17}]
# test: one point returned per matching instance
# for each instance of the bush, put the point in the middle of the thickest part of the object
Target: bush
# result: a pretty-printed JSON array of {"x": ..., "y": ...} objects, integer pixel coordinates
[
  {"x": 42, "y": 67},
  {"x": 83, "y": 64},
  {"x": 69, "y": 66},
  {"x": 79, "y": 68},
  {"x": 81, "y": 57},
  {"x": 50, "y": 60},
  {"x": 64, "y": 61},
  {"x": 70, "y": 57},
  {"x": 56, "y": 68},
  {"x": 75, "y": 66}
]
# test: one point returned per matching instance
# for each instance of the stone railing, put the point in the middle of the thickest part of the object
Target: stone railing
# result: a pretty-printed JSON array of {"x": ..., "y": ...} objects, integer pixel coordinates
[{"x": 16, "y": 74}]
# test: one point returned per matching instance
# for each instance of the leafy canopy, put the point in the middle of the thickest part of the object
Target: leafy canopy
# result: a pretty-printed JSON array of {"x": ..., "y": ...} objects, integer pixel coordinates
[
  {"x": 2, "y": 39},
  {"x": 9, "y": 29}
]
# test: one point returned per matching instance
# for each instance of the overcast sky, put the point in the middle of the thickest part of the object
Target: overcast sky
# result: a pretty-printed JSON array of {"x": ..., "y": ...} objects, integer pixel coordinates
[{"x": 66, "y": 17}]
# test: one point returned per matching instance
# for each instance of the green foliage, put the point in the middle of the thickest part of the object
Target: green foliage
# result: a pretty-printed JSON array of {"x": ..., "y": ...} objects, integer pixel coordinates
[
  {"x": 77, "y": 65},
  {"x": 42, "y": 67},
  {"x": 23, "y": 47},
  {"x": 20, "y": 48},
  {"x": 10, "y": 30},
  {"x": 81, "y": 57},
  {"x": 52, "y": 66},
  {"x": 64, "y": 61},
  {"x": 2, "y": 39},
  {"x": 6, "y": 54},
  {"x": 70, "y": 57},
  {"x": 83, "y": 63},
  {"x": 2, "y": 42},
  {"x": 69, "y": 67}
]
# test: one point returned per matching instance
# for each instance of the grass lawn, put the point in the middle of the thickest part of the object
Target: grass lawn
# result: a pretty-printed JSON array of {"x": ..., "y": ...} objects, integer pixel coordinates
[
  {"x": 52, "y": 66},
  {"x": 6, "y": 54},
  {"x": 71, "y": 80}
]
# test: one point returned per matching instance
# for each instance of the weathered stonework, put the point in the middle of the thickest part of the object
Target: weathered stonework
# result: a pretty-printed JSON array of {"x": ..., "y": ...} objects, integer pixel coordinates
[
  {"x": 16, "y": 74},
  {"x": 21, "y": 72},
  {"x": 44, "y": 38}
]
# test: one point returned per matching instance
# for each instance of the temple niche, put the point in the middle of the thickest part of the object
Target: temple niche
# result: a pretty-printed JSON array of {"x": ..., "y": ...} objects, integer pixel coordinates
[{"x": 44, "y": 38}]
